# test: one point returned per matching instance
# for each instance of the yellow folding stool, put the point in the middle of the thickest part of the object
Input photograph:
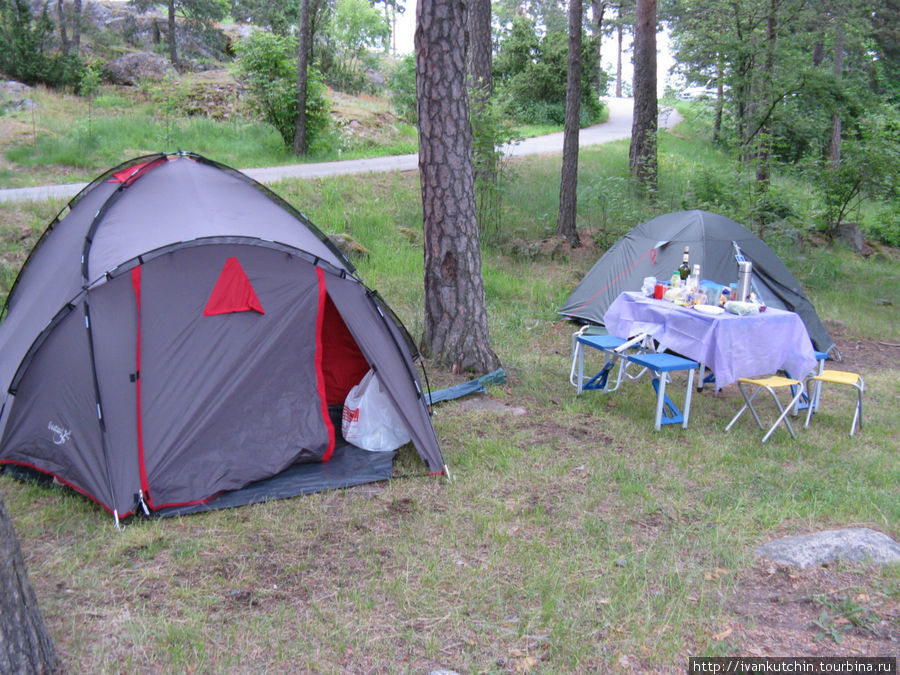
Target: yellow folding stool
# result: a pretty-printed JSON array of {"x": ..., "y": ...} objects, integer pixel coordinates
[
  {"x": 837, "y": 377},
  {"x": 770, "y": 384}
]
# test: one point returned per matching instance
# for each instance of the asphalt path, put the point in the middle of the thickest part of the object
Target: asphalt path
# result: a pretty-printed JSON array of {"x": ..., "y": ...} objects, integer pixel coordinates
[{"x": 617, "y": 127}]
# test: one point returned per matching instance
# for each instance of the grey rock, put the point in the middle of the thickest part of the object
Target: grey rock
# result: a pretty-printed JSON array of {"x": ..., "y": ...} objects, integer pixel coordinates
[
  {"x": 14, "y": 96},
  {"x": 852, "y": 236},
  {"x": 137, "y": 66},
  {"x": 13, "y": 89},
  {"x": 858, "y": 545}
]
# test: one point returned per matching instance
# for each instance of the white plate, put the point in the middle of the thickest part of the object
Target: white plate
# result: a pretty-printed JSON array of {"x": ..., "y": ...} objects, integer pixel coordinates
[{"x": 709, "y": 309}]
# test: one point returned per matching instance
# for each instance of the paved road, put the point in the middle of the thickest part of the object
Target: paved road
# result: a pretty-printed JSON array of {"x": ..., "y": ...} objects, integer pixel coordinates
[{"x": 618, "y": 127}]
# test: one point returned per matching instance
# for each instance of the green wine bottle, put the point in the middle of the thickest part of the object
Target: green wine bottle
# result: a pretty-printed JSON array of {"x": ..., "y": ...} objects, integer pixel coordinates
[{"x": 684, "y": 271}]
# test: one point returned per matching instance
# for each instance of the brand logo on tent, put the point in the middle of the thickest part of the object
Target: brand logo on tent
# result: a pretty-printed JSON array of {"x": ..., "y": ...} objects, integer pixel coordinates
[
  {"x": 60, "y": 435},
  {"x": 233, "y": 292}
]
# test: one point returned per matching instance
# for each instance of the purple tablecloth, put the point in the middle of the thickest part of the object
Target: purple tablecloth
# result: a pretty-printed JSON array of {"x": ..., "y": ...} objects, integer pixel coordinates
[{"x": 731, "y": 346}]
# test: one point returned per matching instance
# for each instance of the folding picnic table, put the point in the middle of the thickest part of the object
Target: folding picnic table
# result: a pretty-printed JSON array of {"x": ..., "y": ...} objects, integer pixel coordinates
[{"x": 731, "y": 345}]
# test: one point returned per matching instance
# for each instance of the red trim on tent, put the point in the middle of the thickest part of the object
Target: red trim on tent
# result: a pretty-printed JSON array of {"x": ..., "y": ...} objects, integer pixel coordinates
[
  {"x": 320, "y": 376},
  {"x": 171, "y": 505},
  {"x": 132, "y": 173},
  {"x": 233, "y": 292},
  {"x": 68, "y": 484},
  {"x": 343, "y": 363},
  {"x": 145, "y": 485}
]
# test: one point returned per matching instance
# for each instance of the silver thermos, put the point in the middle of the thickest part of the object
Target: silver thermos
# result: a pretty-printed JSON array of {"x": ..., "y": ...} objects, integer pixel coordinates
[{"x": 745, "y": 274}]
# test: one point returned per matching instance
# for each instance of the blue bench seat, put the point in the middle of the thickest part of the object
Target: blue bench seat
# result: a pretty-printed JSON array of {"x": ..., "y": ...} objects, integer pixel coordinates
[{"x": 661, "y": 364}]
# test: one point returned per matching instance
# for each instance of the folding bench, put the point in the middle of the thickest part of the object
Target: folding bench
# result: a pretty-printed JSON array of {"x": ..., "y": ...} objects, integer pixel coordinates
[
  {"x": 837, "y": 377},
  {"x": 770, "y": 384},
  {"x": 661, "y": 364},
  {"x": 613, "y": 348}
]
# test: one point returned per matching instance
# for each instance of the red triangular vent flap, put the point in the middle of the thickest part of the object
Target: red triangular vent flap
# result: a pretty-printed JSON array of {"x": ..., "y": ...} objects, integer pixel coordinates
[{"x": 233, "y": 292}]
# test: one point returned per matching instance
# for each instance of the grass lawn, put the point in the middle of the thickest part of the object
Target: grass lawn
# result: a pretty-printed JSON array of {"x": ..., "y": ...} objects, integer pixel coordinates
[{"x": 572, "y": 537}]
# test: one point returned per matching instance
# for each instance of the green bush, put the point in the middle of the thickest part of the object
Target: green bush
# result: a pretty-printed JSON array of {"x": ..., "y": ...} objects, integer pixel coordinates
[
  {"x": 267, "y": 64},
  {"x": 403, "y": 89}
]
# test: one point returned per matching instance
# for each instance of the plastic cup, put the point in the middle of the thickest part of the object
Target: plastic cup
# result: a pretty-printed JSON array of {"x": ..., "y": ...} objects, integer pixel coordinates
[{"x": 658, "y": 291}]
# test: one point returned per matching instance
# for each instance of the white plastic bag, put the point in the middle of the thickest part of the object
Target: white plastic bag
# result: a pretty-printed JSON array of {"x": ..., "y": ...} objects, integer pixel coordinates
[{"x": 369, "y": 420}]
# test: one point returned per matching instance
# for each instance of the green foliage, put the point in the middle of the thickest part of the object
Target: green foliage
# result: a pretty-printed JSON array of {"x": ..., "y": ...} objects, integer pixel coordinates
[
  {"x": 356, "y": 28},
  {"x": 530, "y": 75},
  {"x": 204, "y": 12},
  {"x": 89, "y": 83},
  {"x": 869, "y": 168},
  {"x": 490, "y": 132},
  {"x": 25, "y": 48},
  {"x": 278, "y": 17},
  {"x": 403, "y": 89},
  {"x": 267, "y": 64}
]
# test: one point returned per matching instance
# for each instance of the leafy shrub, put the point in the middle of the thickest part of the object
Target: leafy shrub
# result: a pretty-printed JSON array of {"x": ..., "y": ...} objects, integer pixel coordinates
[
  {"x": 267, "y": 64},
  {"x": 403, "y": 89},
  {"x": 355, "y": 28}
]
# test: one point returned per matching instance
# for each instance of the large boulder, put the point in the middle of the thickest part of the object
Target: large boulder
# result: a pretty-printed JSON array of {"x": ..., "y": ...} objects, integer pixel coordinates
[
  {"x": 854, "y": 545},
  {"x": 15, "y": 96},
  {"x": 136, "y": 66}
]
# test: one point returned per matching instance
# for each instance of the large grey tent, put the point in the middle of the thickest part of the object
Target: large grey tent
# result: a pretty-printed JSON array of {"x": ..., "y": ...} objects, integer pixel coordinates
[
  {"x": 654, "y": 249},
  {"x": 183, "y": 339}
]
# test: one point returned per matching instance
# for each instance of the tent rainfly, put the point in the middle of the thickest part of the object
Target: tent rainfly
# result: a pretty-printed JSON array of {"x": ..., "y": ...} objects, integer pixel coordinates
[
  {"x": 654, "y": 249},
  {"x": 182, "y": 339}
]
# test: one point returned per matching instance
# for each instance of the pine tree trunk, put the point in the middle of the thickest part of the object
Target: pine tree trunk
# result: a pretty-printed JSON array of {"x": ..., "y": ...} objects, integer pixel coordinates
[
  {"x": 568, "y": 187},
  {"x": 720, "y": 100},
  {"x": 61, "y": 20},
  {"x": 456, "y": 331},
  {"x": 598, "y": 8},
  {"x": 479, "y": 52},
  {"x": 25, "y": 644},
  {"x": 764, "y": 138},
  {"x": 173, "y": 41},
  {"x": 619, "y": 62},
  {"x": 642, "y": 153},
  {"x": 76, "y": 27},
  {"x": 481, "y": 85},
  {"x": 834, "y": 150},
  {"x": 302, "y": 78}
]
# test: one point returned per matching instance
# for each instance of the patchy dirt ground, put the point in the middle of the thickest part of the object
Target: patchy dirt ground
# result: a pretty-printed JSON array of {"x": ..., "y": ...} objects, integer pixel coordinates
[{"x": 820, "y": 611}]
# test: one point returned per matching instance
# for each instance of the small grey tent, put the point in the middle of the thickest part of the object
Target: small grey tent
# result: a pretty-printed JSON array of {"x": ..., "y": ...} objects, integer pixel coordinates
[
  {"x": 654, "y": 249},
  {"x": 182, "y": 339}
]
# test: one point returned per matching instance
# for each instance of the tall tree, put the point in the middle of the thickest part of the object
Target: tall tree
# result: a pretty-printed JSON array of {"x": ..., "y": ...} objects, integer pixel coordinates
[
  {"x": 479, "y": 51},
  {"x": 568, "y": 186},
  {"x": 197, "y": 12},
  {"x": 484, "y": 138},
  {"x": 642, "y": 153},
  {"x": 25, "y": 644},
  {"x": 834, "y": 154},
  {"x": 598, "y": 9},
  {"x": 302, "y": 79},
  {"x": 171, "y": 36},
  {"x": 767, "y": 94},
  {"x": 456, "y": 330},
  {"x": 623, "y": 24}
]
